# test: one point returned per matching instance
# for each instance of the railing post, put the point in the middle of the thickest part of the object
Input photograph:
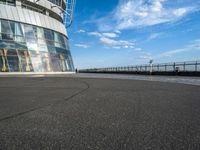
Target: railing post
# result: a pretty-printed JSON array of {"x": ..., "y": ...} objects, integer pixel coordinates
[
  {"x": 174, "y": 66},
  {"x": 151, "y": 69},
  {"x": 184, "y": 66},
  {"x": 196, "y": 66}
]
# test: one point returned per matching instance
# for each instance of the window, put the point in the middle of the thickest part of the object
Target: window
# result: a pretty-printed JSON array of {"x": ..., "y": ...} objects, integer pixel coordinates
[
  {"x": 56, "y": 2},
  {"x": 19, "y": 37},
  {"x": 13, "y": 61},
  {"x": 49, "y": 36},
  {"x": 9, "y": 2},
  {"x": 7, "y": 33},
  {"x": 0, "y": 30},
  {"x": 30, "y": 37},
  {"x": 26, "y": 48}
]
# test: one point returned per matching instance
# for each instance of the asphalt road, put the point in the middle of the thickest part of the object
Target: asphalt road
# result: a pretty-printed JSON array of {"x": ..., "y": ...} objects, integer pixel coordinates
[{"x": 51, "y": 113}]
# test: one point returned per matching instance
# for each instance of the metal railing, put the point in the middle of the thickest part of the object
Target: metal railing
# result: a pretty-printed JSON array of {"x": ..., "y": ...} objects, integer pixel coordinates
[{"x": 189, "y": 66}]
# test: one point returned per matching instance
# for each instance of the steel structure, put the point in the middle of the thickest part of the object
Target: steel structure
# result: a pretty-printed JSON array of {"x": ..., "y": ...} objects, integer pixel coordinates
[
  {"x": 70, "y": 11},
  {"x": 33, "y": 35}
]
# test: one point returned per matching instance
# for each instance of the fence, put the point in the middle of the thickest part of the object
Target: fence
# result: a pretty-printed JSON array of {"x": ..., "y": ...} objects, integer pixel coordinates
[{"x": 165, "y": 68}]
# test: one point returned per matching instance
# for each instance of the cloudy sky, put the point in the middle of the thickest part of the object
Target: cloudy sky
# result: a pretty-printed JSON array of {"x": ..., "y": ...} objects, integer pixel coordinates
[{"x": 108, "y": 33}]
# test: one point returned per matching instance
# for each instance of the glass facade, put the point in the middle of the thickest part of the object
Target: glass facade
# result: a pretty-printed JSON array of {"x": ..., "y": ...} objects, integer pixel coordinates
[
  {"x": 28, "y": 48},
  {"x": 56, "y": 2},
  {"x": 8, "y": 2}
]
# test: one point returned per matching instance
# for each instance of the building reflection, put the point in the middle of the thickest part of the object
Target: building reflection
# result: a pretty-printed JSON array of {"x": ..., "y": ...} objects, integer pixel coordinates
[{"x": 28, "y": 48}]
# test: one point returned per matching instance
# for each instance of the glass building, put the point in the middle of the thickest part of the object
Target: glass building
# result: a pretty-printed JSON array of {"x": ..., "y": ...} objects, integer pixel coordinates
[{"x": 33, "y": 36}]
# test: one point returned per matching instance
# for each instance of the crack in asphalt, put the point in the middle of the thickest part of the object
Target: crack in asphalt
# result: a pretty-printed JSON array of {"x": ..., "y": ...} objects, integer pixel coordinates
[{"x": 37, "y": 108}]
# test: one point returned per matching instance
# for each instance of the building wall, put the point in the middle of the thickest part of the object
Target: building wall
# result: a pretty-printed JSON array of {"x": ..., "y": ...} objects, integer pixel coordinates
[
  {"x": 30, "y": 17},
  {"x": 32, "y": 42}
]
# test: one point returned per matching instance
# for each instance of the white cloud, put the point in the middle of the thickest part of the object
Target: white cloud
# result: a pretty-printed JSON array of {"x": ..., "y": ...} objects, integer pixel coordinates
[
  {"x": 108, "y": 41},
  {"x": 95, "y": 34},
  {"x": 117, "y": 31},
  {"x": 180, "y": 11},
  {"x": 116, "y": 47},
  {"x": 81, "y": 45},
  {"x": 194, "y": 45},
  {"x": 137, "y": 49},
  {"x": 106, "y": 34},
  {"x": 145, "y": 55},
  {"x": 154, "y": 36},
  {"x": 110, "y": 35},
  {"x": 141, "y": 13},
  {"x": 124, "y": 42},
  {"x": 117, "y": 44},
  {"x": 107, "y": 38},
  {"x": 81, "y": 31}
]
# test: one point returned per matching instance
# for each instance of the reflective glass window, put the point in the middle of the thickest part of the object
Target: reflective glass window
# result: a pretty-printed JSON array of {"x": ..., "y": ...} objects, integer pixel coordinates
[
  {"x": 13, "y": 60},
  {"x": 36, "y": 61},
  {"x": 17, "y": 30},
  {"x": 25, "y": 48},
  {"x": 40, "y": 35},
  {"x": 30, "y": 37},
  {"x": 24, "y": 58},
  {"x": 57, "y": 40},
  {"x": 3, "y": 60},
  {"x": 29, "y": 32},
  {"x": 56, "y": 2},
  {"x": 6, "y": 30},
  {"x": 9, "y": 2},
  {"x": 56, "y": 65},
  {"x": 46, "y": 62},
  {"x": 51, "y": 49},
  {"x": 0, "y": 30},
  {"x": 49, "y": 36},
  {"x": 66, "y": 43},
  {"x": 42, "y": 48}
]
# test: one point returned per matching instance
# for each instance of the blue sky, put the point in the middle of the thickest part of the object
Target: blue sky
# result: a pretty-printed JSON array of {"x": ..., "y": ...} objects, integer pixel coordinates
[{"x": 130, "y": 32}]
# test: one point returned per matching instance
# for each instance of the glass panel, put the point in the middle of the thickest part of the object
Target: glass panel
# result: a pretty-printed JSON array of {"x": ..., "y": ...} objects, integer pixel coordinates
[
  {"x": 30, "y": 37},
  {"x": 66, "y": 43},
  {"x": 24, "y": 61},
  {"x": 45, "y": 62},
  {"x": 56, "y": 2},
  {"x": 9, "y": 2},
  {"x": 18, "y": 33},
  {"x": 39, "y": 32},
  {"x": 36, "y": 61},
  {"x": 55, "y": 62},
  {"x": 51, "y": 49},
  {"x": 27, "y": 48},
  {"x": 49, "y": 36},
  {"x": 29, "y": 32},
  {"x": 63, "y": 62},
  {"x": 6, "y": 30},
  {"x": 3, "y": 60},
  {"x": 57, "y": 40},
  {"x": 13, "y": 61},
  {"x": 0, "y": 29}
]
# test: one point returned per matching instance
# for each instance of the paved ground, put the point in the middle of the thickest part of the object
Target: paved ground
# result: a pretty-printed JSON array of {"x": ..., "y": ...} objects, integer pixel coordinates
[{"x": 108, "y": 114}]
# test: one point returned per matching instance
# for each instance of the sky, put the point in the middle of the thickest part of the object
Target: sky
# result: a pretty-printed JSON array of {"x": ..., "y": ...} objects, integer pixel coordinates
[{"x": 110, "y": 33}]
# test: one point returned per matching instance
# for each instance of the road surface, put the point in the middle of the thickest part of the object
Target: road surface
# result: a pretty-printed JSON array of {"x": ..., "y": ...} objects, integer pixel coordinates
[{"x": 77, "y": 112}]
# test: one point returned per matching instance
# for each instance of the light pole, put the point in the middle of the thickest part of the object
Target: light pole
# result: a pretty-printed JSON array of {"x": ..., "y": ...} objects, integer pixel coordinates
[{"x": 151, "y": 66}]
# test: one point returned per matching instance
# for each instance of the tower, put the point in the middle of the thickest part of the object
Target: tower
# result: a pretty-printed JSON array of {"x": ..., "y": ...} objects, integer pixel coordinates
[{"x": 33, "y": 35}]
